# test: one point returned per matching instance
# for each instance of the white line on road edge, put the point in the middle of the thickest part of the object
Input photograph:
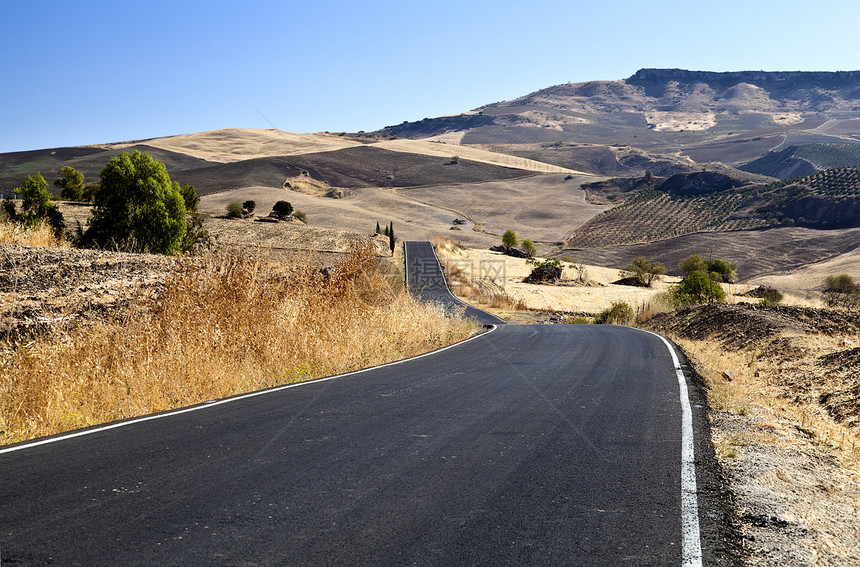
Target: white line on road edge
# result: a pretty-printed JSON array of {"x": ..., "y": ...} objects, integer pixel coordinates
[
  {"x": 207, "y": 405},
  {"x": 691, "y": 542}
]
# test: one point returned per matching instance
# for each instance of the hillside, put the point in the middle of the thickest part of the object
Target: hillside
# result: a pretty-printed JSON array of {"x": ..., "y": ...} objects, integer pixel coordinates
[
  {"x": 708, "y": 201},
  {"x": 806, "y": 159},
  {"x": 660, "y": 159},
  {"x": 733, "y": 117}
]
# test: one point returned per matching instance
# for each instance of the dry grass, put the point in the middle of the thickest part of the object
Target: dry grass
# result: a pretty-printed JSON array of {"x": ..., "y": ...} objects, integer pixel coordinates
[
  {"x": 480, "y": 292},
  {"x": 755, "y": 387},
  {"x": 43, "y": 235},
  {"x": 221, "y": 325}
]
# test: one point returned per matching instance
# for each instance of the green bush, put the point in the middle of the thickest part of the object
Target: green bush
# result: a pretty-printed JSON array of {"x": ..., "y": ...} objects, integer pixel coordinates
[
  {"x": 619, "y": 314},
  {"x": 36, "y": 205},
  {"x": 301, "y": 216},
  {"x": 71, "y": 183},
  {"x": 509, "y": 240},
  {"x": 235, "y": 211},
  {"x": 528, "y": 247},
  {"x": 695, "y": 289},
  {"x": 282, "y": 209},
  {"x": 771, "y": 296},
  {"x": 841, "y": 291},
  {"x": 643, "y": 271},
  {"x": 720, "y": 270}
]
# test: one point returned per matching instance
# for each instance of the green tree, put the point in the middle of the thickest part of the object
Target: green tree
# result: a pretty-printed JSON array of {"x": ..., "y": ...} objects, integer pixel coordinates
[
  {"x": 137, "y": 207},
  {"x": 509, "y": 240},
  {"x": 721, "y": 270},
  {"x": 644, "y": 271},
  {"x": 195, "y": 236},
  {"x": 693, "y": 263},
  {"x": 36, "y": 205},
  {"x": 842, "y": 291},
  {"x": 190, "y": 197},
  {"x": 282, "y": 209},
  {"x": 35, "y": 197},
  {"x": 377, "y": 227},
  {"x": 249, "y": 206},
  {"x": 528, "y": 247},
  {"x": 696, "y": 288},
  {"x": 71, "y": 183},
  {"x": 89, "y": 192},
  {"x": 391, "y": 238},
  {"x": 843, "y": 283}
]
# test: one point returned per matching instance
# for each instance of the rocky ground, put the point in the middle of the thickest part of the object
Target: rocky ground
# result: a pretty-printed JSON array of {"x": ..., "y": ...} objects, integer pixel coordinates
[{"x": 44, "y": 287}]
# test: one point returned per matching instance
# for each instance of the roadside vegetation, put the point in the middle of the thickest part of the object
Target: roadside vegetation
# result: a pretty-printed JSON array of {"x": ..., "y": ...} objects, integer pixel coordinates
[
  {"x": 136, "y": 208},
  {"x": 222, "y": 324}
]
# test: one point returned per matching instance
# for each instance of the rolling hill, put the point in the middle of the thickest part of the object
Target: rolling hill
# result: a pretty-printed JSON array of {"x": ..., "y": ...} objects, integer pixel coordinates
[
  {"x": 662, "y": 163},
  {"x": 733, "y": 118}
]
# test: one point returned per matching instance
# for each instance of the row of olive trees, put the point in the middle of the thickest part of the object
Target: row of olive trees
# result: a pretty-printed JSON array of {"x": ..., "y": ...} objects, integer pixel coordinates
[{"x": 136, "y": 207}]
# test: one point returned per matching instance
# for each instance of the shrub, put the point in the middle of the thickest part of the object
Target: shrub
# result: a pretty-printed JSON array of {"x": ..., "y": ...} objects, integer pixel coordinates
[
  {"x": 619, "y": 314},
  {"x": 282, "y": 209},
  {"x": 528, "y": 247},
  {"x": 643, "y": 271},
  {"x": 771, "y": 296},
  {"x": 36, "y": 206},
  {"x": 249, "y": 206},
  {"x": 509, "y": 240},
  {"x": 720, "y": 270},
  {"x": 195, "y": 237},
  {"x": 235, "y": 211},
  {"x": 301, "y": 216},
  {"x": 843, "y": 283},
  {"x": 841, "y": 291},
  {"x": 692, "y": 263},
  {"x": 137, "y": 207},
  {"x": 696, "y": 288},
  {"x": 725, "y": 271}
]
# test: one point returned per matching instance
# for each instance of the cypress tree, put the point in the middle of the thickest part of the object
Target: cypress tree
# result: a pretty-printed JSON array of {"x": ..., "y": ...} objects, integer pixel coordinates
[
  {"x": 391, "y": 238},
  {"x": 377, "y": 227}
]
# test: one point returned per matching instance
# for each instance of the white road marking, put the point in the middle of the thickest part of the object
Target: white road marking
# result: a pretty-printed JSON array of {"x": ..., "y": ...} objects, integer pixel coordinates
[
  {"x": 691, "y": 541},
  {"x": 213, "y": 403}
]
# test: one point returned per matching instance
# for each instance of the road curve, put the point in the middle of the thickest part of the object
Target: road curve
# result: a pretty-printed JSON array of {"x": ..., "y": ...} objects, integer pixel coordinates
[
  {"x": 529, "y": 445},
  {"x": 426, "y": 280}
]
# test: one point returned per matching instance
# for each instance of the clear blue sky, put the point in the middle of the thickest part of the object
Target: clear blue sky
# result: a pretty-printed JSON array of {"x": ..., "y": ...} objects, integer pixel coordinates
[{"x": 87, "y": 72}]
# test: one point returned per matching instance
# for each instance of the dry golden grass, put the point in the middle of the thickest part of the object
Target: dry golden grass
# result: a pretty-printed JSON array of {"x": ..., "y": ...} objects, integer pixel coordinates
[
  {"x": 221, "y": 325},
  {"x": 482, "y": 294},
  {"x": 43, "y": 235},
  {"x": 754, "y": 388}
]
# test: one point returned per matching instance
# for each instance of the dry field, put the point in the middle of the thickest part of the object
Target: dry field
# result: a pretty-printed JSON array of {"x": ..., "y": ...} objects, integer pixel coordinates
[
  {"x": 237, "y": 144},
  {"x": 441, "y": 149},
  {"x": 90, "y": 336},
  {"x": 423, "y": 213},
  {"x": 586, "y": 289}
]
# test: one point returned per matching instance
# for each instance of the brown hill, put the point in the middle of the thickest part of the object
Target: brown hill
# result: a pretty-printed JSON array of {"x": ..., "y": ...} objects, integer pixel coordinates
[{"x": 729, "y": 117}]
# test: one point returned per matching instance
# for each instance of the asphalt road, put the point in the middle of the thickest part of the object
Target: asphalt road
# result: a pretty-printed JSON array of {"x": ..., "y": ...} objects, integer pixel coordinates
[
  {"x": 427, "y": 281},
  {"x": 528, "y": 445}
]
